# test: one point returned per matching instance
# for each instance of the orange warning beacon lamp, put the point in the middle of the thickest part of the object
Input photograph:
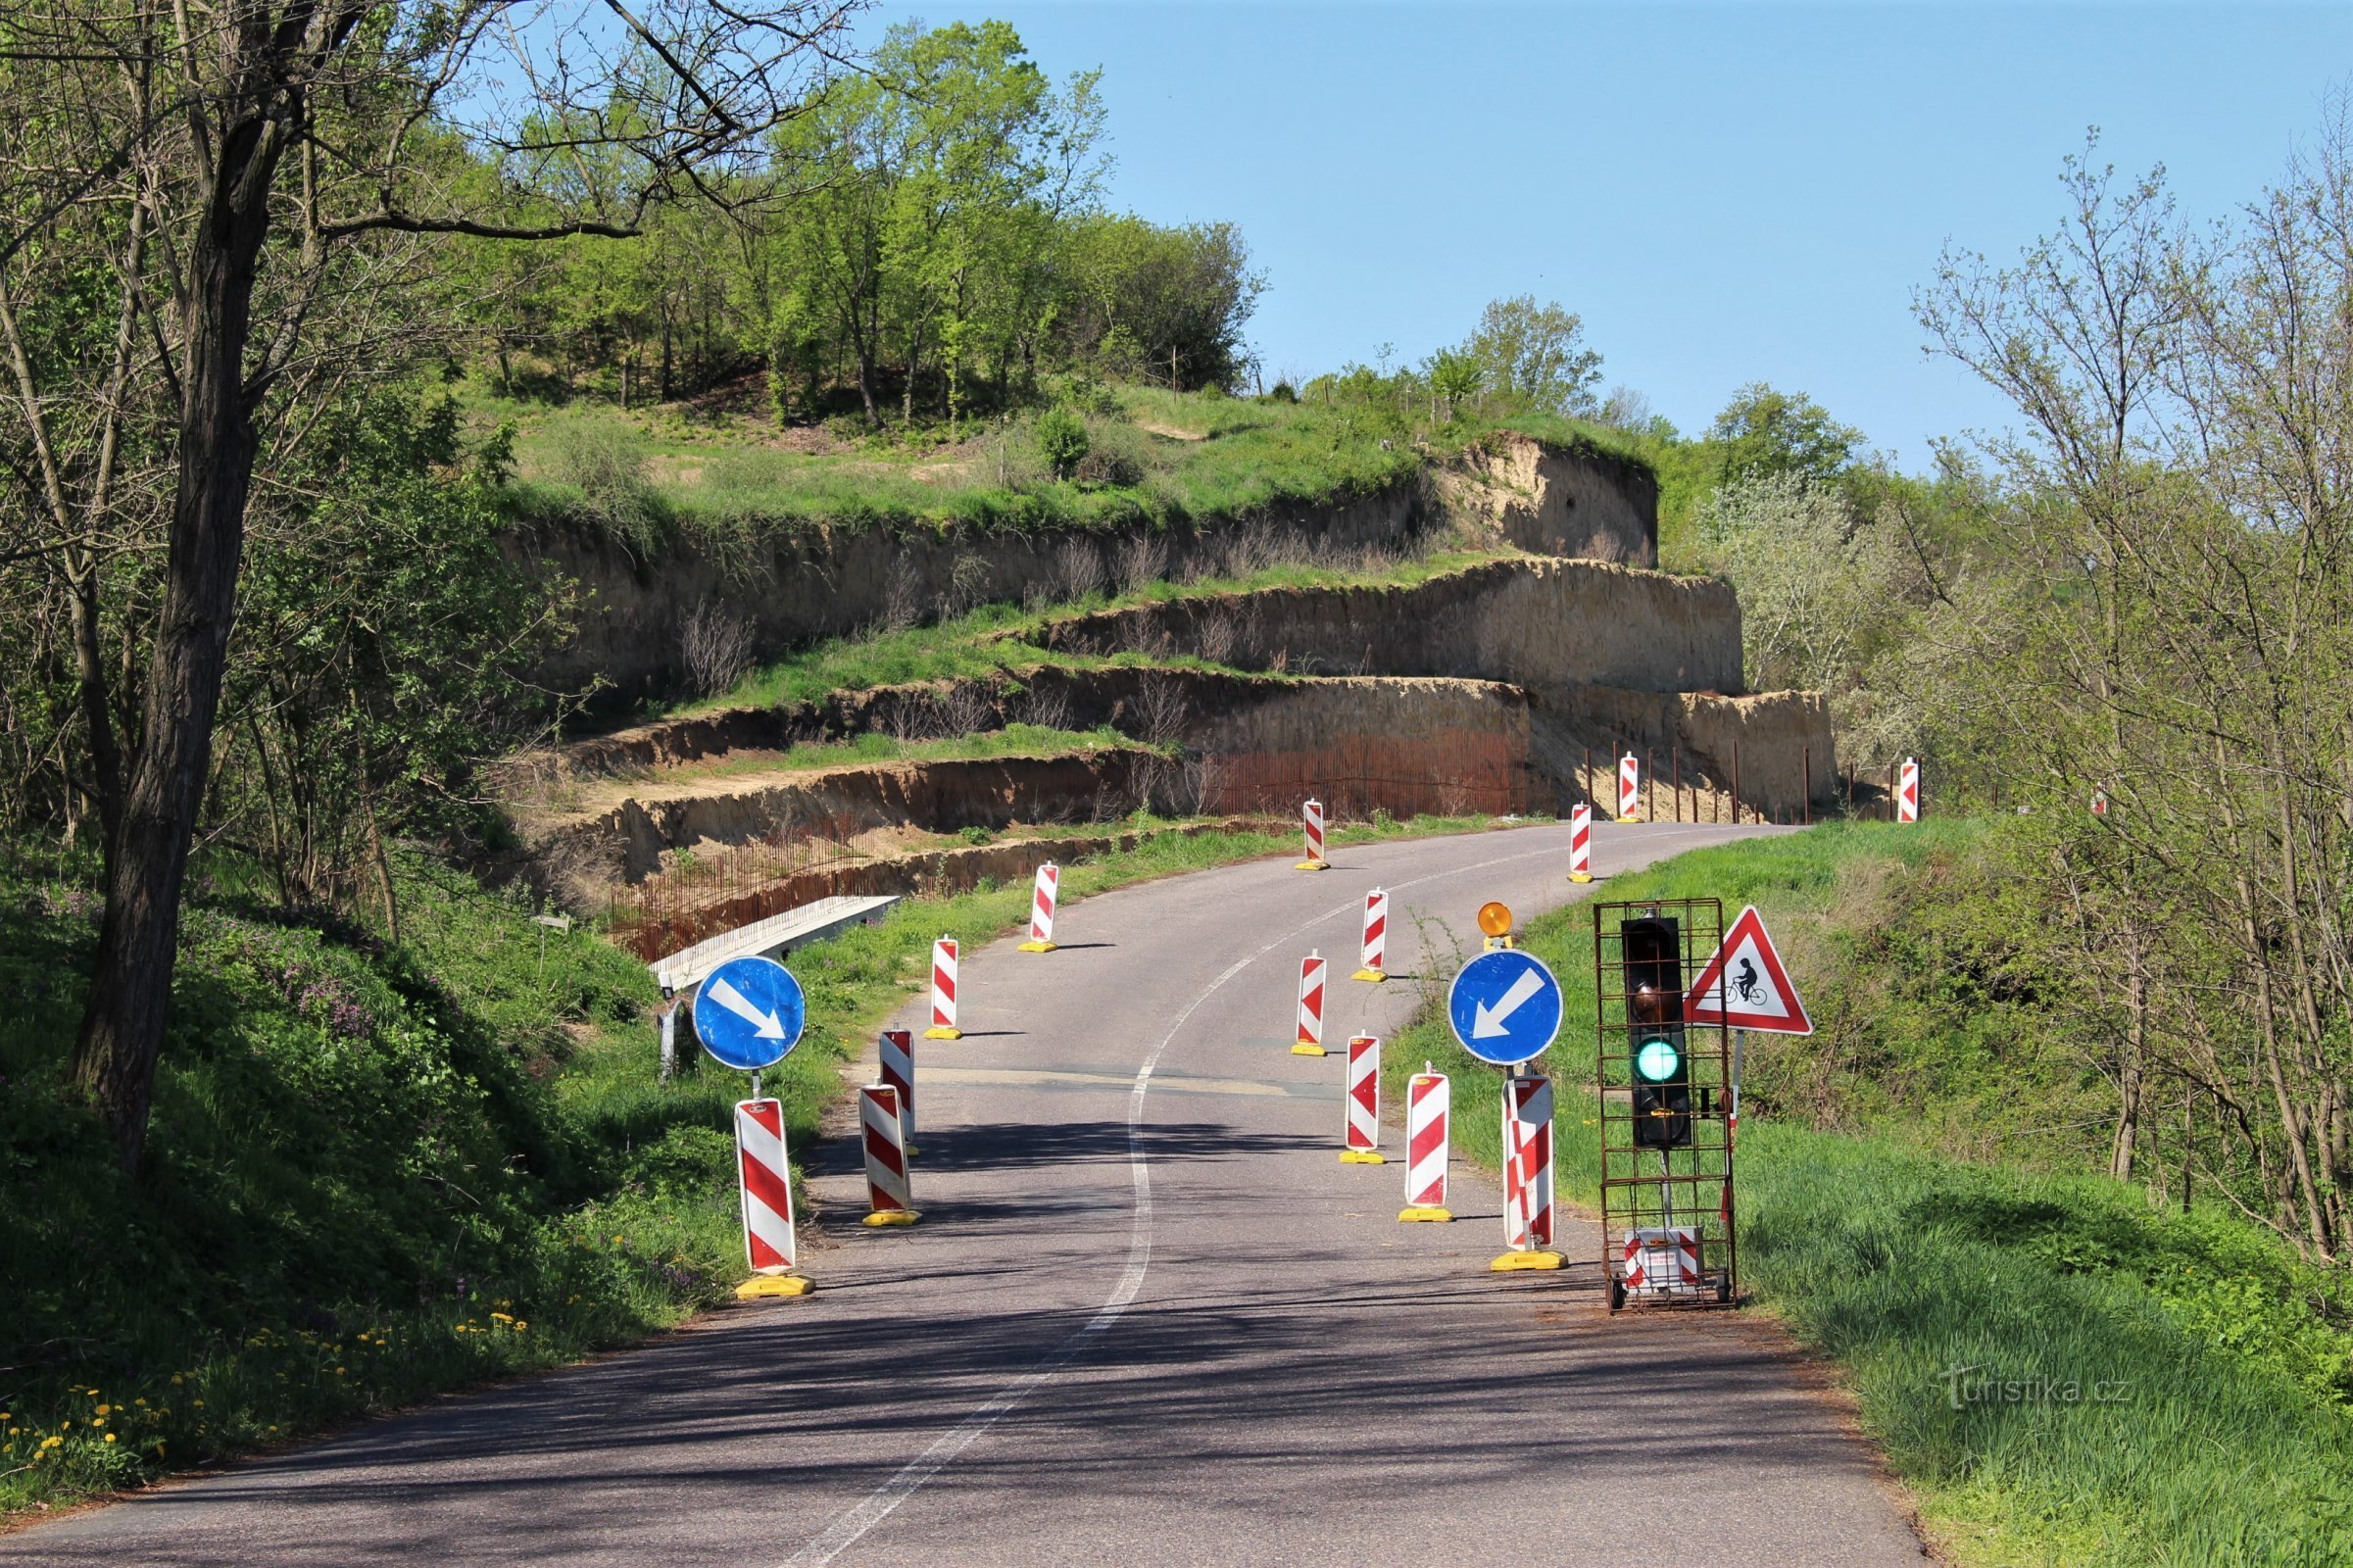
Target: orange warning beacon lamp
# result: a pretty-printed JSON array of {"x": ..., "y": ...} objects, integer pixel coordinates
[{"x": 1495, "y": 921}]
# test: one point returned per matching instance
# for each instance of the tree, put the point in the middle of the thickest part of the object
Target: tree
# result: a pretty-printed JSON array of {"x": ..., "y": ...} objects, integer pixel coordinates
[
  {"x": 2180, "y": 515},
  {"x": 1536, "y": 354},
  {"x": 1814, "y": 579},
  {"x": 236, "y": 178},
  {"x": 1166, "y": 302},
  {"x": 1767, "y": 432},
  {"x": 938, "y": 180},
  {"x": 1454, "y": 377}
]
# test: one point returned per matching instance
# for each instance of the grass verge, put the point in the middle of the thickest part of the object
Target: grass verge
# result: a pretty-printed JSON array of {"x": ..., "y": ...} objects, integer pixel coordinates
[{"x": 2062, "y": 1372}]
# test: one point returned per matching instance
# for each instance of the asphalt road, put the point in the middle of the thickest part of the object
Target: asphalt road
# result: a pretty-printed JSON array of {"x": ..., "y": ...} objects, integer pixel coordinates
[{"x": 1148, "y": 1318}]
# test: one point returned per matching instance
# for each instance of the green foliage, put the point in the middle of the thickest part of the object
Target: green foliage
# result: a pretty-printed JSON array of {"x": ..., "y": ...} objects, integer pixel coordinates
[
  {"x": 603, "y": 461},
  {"x": 1764, "y": 433},
  {"x": 384, "y": 646},
  {"x": 1456, "y": 377},
  {"x": 1160, "y": 304},
  {"x": 946, "y": 247},
  {"x": 359, "y": 1190},
  {"x": 1061, "y": 440},
  {"x": 1535, "y": 356}
]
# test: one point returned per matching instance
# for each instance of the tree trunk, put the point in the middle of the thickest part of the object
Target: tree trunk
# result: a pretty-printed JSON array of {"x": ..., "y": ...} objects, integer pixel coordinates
[
  {"x": 2128, "y": 1097},
  {"x": 865, "y": 385},
  {"x": 131, "y": 993},
  {"x": 90, "y": 664}
]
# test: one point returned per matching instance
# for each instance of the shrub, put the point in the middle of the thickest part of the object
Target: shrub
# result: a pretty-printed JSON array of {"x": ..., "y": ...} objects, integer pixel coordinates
[
  {"x": 1061, "y": 440},
  {"x": 599, "y": 456},
  {"x": 1115, "y": 454}
]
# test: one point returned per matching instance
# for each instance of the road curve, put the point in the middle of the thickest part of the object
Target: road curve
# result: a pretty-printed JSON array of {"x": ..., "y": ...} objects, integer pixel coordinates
[{"x": 1148, "y": 1318}]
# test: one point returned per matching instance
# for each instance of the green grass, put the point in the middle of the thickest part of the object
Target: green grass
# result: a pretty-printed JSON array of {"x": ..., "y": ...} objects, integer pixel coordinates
[
  {"x": 728, "y": 474},
  {"x": 1576, "y": 435},
  {"x": 1014, "y": 740},
  {"x": 2211, "y": 1416}
]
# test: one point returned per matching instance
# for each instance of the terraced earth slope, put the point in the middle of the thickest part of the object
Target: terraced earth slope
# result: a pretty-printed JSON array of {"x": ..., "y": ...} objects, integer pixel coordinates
[{"x": 1507, "y": 687}]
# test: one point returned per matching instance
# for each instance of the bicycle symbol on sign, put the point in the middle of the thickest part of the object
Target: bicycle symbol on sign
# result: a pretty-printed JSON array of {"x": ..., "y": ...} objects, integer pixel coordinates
[{"x": 1744, "y": 984}]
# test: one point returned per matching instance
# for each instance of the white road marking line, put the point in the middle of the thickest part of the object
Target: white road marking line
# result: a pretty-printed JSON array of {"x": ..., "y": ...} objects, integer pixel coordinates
[
  {"x": 846, "y": 1530},
  {"x": 1168, "y": 1083}
]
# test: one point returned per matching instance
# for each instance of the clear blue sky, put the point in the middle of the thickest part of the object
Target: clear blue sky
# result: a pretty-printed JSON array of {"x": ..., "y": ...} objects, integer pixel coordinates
[{"x": 1725, "y": 193}]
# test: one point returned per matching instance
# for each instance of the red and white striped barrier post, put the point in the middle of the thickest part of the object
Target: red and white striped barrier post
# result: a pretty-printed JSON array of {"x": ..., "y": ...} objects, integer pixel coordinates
[
  {"x": 1527, "y": 1175},
  {"x": 1428, "y": 1098},
  {"x": 887, "y": 1193},
  {"x": 1662, "y": 1260},
  {"x": 1376, "y": 937},
  {"x": 1312, "y": 817},
  {"x": 943, "y": 992},
  {"x": 767, "y": 1195},
  {"x": 1311, "y": 1008},
  {"x": 1581, "y": 844},
  {"x": 1630, "y": 787},
  {"x": 1361, "y": 1117},
  {"x": 1907, "y": 792},
  {"x": 899, "y": 1071},
  {"x": 1042, "y": 898}
]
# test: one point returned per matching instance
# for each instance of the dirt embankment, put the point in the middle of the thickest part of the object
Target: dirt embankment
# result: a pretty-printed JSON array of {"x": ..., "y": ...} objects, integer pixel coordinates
[
  {"x": 840, "y": 806},
  {"x": 1532, "y": 622},
  {"x": 1550, "y": 502},
  {"x": 1770, "y": 752},
  {"x": 617, "y": 809},
  {"x": 792, "y": 587},
  {"x": 1407, "y": 747},
  {"x": 671, "y": 927}
]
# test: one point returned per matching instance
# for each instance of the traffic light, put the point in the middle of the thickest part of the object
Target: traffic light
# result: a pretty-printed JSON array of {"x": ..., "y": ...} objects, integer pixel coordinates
[{"x": 1652, "y": 949}]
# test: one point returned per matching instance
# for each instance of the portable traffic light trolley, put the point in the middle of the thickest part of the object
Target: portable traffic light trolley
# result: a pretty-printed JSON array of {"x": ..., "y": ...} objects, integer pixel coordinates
[{"x": 1667, "y": 1233}]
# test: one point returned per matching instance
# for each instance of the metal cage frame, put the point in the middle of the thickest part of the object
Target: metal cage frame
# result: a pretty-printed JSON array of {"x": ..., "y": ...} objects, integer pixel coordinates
[{"x": 1644, "y": 1188}]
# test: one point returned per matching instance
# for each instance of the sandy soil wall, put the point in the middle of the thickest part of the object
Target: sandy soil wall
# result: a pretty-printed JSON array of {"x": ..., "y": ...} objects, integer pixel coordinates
[
  {"x": 1529, "y": 622},
  {"x": 1554, "y": 503},
  {"x": 627, "y": 843},
  {"x": 800, "y": 586},
  {"x": 935, "y": 871},
  {"x": 1405, "y": 746},
  {"x": 1764, "y": 749}
]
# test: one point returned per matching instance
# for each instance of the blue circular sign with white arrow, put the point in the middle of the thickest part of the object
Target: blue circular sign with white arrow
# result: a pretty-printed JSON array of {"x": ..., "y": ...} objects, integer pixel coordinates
[
  {"x": 749, "y": 1012},
  {"x": 1505, "y": 1006}
]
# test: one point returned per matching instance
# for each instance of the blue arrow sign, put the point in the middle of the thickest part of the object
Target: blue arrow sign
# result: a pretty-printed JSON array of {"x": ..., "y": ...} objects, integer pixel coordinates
[
  {"x": 1505, "y": 1007},
  {"x": 749, "y": 1013}
]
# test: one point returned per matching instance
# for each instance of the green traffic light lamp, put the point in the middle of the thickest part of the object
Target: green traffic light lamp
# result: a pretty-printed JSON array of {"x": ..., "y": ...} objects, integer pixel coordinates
[{"x": 1657, "y": 1060}]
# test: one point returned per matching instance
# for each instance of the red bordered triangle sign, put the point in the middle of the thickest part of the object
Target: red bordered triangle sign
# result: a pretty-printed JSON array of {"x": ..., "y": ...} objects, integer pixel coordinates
[{"x": 1743, "y": 986}]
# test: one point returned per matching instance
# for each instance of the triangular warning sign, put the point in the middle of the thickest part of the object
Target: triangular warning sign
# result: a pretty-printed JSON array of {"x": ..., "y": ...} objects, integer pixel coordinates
[{"x": 1743, "y": 986}]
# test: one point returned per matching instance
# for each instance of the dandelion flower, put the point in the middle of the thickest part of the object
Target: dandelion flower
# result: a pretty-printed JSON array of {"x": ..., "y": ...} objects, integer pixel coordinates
[{"x": 110, "y": 1437}]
